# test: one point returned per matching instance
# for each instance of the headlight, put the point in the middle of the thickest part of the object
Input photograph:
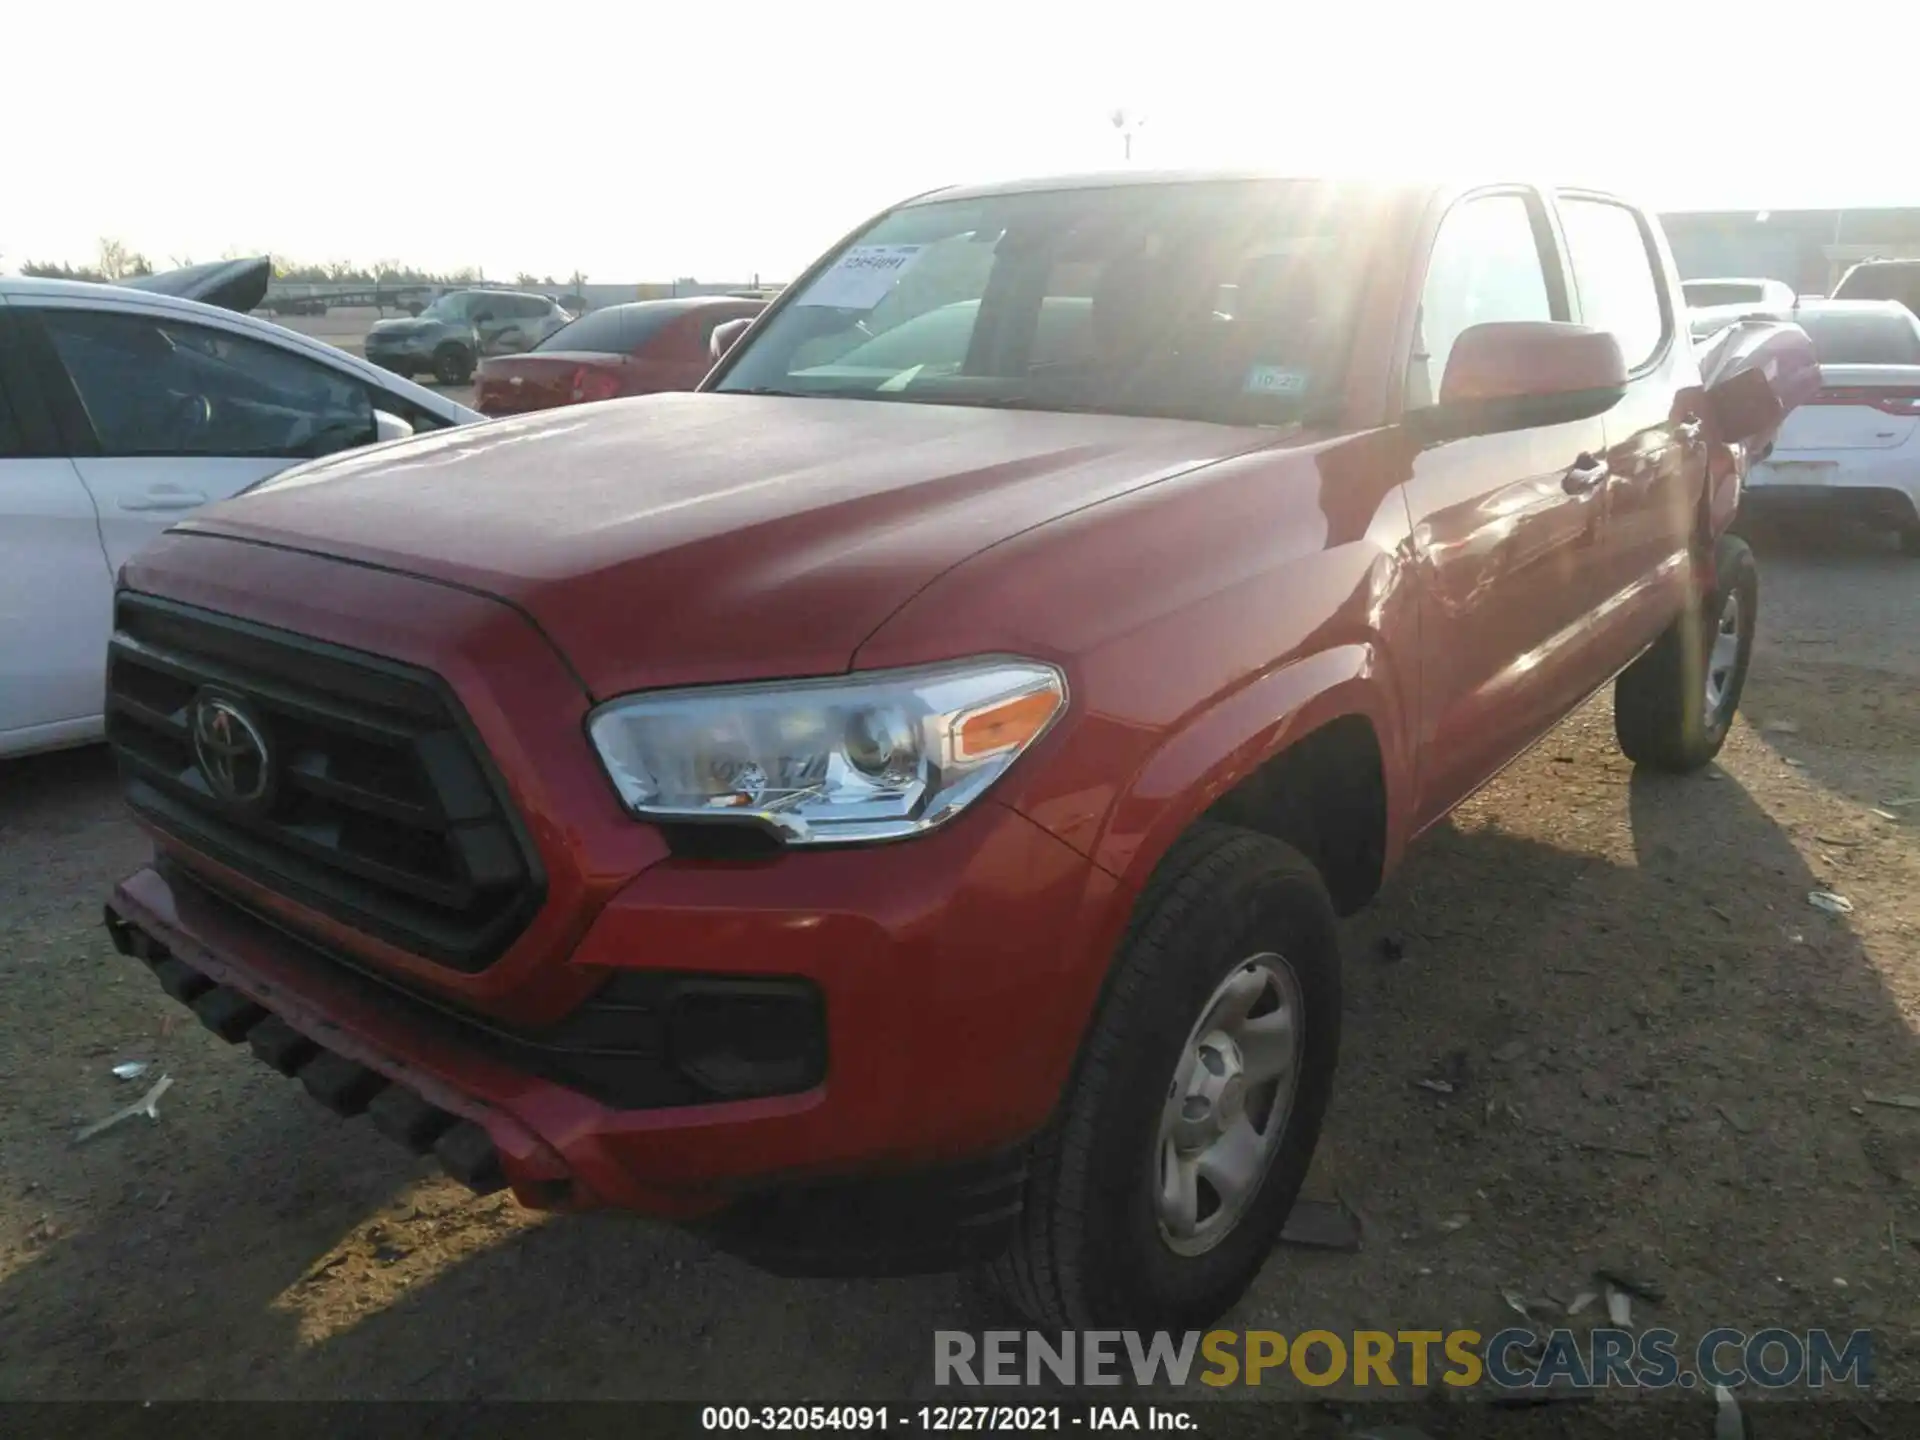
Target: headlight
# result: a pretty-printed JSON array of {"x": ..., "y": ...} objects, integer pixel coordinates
[{"x": 863, "y": 757}]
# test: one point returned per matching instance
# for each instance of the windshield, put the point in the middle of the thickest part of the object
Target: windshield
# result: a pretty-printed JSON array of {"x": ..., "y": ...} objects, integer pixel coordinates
[
  {"x": 1721, "y": 293},
  {"x": 1886, "y": 338},
  {"x": 1227, "y": 301}
]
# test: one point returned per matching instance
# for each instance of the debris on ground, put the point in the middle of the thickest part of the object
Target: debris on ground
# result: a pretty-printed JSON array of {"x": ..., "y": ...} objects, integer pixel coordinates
[
  {"x": 1391, "y": 949},
  {"x": 1509, "y": 1052},
  {"x": 1321, "y": 1225},
  {"x": 1455, "y": 1222},
  {"x": 1885, "y": 814},
  {"x": 1438, "y": 1087},
  {"x": 1728, "y": 1423},
  {"x": 1782, "y": 727},
  {"x": 1902, "y": 803},
  {"x": 1582, "y": 1301},
  {"x": 1831, "y": 903},
  {"x": 1637, "y": 1286},
  {"x": 131, "y": 1069},
  {"x": 147, "y": 1105},
  {"x": 1619, "y": 1308},
  {"x": 1898, "y": 1102}
]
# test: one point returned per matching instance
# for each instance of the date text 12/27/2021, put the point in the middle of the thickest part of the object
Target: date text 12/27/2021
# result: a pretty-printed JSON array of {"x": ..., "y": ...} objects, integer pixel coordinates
[{"x": 944, "y": 1419}]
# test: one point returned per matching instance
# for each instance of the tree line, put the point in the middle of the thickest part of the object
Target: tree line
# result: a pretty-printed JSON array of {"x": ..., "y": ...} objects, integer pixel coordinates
[{"x": 115, "y": 260}]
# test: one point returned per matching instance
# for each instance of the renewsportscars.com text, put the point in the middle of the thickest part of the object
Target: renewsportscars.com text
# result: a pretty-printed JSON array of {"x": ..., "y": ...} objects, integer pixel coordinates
[{"x": 1514, "y": 1359}]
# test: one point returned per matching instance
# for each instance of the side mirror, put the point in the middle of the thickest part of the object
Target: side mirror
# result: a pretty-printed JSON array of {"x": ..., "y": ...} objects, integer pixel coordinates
[
  {"x": 390, "y": 427},
  {"x": 1517, "y": 374},
  {"x": 727, "y": 335}
]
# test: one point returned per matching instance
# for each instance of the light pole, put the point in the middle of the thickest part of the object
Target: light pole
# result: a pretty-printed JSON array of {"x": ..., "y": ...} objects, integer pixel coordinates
[{"x": 1126, "y": 123}]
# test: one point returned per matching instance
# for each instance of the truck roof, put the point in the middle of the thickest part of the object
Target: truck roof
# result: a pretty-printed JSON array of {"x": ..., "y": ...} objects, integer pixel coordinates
[{"x": 1401, "y": 184}]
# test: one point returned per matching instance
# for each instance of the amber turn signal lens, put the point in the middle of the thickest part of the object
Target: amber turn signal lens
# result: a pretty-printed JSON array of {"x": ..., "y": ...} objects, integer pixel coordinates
[{"x": 1005, "y": 726}]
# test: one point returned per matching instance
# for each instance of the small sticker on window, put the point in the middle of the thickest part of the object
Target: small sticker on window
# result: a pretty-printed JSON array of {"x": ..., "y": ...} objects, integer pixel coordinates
[
  {"x": 861, "y": 278},
  {"x": 1275, "y": 380}
]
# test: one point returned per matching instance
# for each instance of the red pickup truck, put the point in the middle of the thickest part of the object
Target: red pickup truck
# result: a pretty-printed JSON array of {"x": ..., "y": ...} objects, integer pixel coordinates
[{"x": 892, "y": 806}]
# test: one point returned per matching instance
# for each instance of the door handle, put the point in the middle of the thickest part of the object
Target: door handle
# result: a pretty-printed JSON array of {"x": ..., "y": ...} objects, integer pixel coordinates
[
  {"x": 1587, "y": 473},
  {"x": 164, "y": 500}
]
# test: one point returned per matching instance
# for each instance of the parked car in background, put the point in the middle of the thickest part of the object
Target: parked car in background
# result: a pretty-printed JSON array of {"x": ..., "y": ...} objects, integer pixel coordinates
[
  {"x": 1854, "y": 448},
  {"x": 1882, "y": 280},
  {"x": 447, "y": 339},
  {"x": 634, "y": 349},
  {"x": 1713, "y": 304},
  {"x": 896, "y": 812},
  {"x": 121, "y": 409}
]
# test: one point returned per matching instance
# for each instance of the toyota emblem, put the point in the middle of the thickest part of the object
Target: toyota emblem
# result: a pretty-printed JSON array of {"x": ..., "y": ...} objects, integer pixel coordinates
[{"x": 231, "y": 746}]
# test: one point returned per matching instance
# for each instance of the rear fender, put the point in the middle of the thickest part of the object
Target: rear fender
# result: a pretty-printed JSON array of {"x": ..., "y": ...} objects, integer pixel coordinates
[{"x": 1229, "y": 740}]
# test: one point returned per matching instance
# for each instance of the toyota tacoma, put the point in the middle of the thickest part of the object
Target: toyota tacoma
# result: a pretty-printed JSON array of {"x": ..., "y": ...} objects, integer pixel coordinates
[{"x": 890, "y": 807}]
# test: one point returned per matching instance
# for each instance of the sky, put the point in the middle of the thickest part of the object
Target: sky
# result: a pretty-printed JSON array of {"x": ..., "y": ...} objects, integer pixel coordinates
[{"x": 720, "y": 141}]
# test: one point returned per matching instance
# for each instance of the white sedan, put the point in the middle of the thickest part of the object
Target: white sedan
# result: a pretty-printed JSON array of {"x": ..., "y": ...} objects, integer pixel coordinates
[
  {"x": 1854, "y": 448},
  {"x": 120, "y": 410}
]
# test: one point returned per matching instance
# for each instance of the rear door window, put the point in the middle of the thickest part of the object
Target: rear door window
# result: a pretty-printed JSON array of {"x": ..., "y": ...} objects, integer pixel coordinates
[
  {"x": 1614, "y": 274},
  {"x": 612, "y": 331},
  {"x": 156, "y": 386}
]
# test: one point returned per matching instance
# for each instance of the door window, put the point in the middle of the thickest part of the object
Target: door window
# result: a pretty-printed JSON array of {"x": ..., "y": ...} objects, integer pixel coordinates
[
  {"x": 12, "y": 442},
  {"x": 1485, "y": 267},
  {"x": 1613, "y": 271},
  {"x": 153, "y": 386}
]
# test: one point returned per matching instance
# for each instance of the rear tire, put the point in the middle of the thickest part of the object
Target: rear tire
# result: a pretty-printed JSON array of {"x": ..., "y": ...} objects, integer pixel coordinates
[
  {"x": 1107, "y": 1235},
  {"x": 453, "y": 364},
  {"x": 1673, "y": 707}
]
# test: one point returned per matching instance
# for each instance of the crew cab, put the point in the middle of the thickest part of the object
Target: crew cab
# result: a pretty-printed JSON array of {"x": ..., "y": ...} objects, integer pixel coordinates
[{"x": 891, "y": 806}]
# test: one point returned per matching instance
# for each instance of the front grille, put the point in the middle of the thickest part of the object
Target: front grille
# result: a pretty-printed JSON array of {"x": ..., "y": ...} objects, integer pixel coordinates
[{"x": 380, "y": 809}]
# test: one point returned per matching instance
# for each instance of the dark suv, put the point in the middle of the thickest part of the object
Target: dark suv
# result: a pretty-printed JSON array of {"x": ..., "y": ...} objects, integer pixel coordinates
[
  {"x": 449, "y": 336},
  {"x": 1882, "y": 280}
]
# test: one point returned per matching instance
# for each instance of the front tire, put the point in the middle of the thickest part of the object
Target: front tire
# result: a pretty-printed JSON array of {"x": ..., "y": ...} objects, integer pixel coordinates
[
  {"x": 1181, "y": 1144},
  {"x": 1673, "y": 707}
]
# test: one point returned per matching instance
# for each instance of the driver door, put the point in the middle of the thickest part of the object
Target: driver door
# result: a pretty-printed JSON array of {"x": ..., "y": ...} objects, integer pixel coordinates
[{"x": 162, "y": 416}]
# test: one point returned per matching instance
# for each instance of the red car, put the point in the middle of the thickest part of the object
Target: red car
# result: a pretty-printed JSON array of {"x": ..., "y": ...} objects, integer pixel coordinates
[
  {"x": 892, "y": 805},
  {"x": 636, "y": 349}
]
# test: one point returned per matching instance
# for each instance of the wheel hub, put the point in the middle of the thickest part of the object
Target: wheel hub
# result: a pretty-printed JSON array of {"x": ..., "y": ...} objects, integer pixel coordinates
[
  {"x": 1228, "y": 1104},
  {"x": 1723, "y": 654}
]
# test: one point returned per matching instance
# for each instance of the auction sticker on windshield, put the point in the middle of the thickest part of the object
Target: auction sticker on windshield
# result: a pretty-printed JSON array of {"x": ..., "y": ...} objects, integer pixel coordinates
[
  {"x": 1275, "y": 380},
  {"x": 861, "y": 278}
]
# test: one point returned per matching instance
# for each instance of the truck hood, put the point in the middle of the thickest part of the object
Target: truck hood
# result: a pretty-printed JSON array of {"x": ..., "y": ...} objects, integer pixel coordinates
[
  {"x": 690, "y": 538},
  {"x": 399, "y": 327}
]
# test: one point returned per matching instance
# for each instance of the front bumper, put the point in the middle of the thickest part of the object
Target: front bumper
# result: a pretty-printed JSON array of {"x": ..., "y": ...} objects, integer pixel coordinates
[
  {"x": 956, "y": 979},
  {"x": 419, "y": 356}
]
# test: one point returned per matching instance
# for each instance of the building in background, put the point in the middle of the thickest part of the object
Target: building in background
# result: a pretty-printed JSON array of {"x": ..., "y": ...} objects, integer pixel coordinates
[{"x": 1808, "y": 249}]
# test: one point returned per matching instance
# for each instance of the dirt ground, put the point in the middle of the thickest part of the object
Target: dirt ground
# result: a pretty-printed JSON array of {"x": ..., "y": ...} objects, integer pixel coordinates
[{"x": 1659, "y": 1050}]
